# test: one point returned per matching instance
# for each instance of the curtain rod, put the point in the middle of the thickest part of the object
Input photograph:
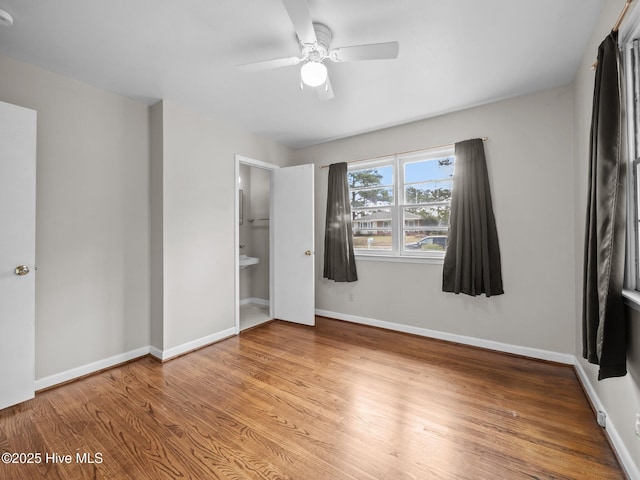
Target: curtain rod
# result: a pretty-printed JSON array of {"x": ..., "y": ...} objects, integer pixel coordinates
[
  {"x": 623, "y": 13},
  {"x": 616, "y": 27},
  {"x": 484, "y": 139}
]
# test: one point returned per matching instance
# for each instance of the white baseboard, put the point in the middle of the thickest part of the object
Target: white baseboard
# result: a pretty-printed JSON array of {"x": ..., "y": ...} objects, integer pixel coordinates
[
  {"x": 93, "y": 367},
  {"x": 627, "y": 461},
  {"x": 193, "y": 345},
  {"x": 257, "y": 301},
  {"x": 452, "y": 337},
  {"x": 163, "y": 355},
  {"x": 155, "y": 352}
]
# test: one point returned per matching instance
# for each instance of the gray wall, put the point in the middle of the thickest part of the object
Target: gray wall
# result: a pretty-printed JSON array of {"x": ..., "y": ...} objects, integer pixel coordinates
[
  {"x": 95, "y": 299},
  {"x": 256, "y": 185},
  {"x": 259, "y": 233},
  {"x": 156, "y": 220},
  {"x": 244, "y": 232},
  {"x": 529, "y": 155},
  {"x": 198, "y": 221},
  {"x": 618, "y": 397},
  {"x": 92, "y": 218}
]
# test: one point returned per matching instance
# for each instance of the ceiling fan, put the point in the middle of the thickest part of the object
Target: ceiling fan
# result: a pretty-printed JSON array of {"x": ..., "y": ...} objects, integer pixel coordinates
[{"x": 315, "y": 40}]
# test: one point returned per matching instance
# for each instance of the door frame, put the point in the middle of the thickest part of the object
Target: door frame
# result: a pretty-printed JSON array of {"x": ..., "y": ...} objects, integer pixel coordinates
[{"x": 241, "y": 159}]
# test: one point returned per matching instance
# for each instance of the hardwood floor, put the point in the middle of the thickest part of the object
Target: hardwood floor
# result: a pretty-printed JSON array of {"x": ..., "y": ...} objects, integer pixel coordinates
[{"x": 334, "y": 402}]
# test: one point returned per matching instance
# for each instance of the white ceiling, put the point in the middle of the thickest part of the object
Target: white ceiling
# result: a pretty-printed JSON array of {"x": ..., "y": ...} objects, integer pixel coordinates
[{"x": 453, "y": 54}]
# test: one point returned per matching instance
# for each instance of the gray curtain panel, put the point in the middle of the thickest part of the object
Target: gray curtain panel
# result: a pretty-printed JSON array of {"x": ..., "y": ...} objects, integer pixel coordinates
[
  {"x": 472, "y": 260},
  {"x": 603, "y": 320},
  {"x": 339, "y": 261}
]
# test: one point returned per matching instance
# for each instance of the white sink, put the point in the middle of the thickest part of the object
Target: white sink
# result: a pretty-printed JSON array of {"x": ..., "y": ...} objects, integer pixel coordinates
[{"x": 246, "y": 261}]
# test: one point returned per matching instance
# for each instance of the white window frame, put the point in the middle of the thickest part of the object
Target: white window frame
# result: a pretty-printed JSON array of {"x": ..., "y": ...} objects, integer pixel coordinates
[
  {"x": 630, "y": 65},
  {"x": 397, "y": 252}
]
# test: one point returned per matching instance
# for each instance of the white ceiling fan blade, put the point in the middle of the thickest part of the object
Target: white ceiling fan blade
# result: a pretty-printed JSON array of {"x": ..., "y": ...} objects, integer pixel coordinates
[
  {"x": 325, "y": 92},
  {"x": 374, "y": 51},
  {"x": 298, "y": 11},
  {"x": 269, "y": 64}
]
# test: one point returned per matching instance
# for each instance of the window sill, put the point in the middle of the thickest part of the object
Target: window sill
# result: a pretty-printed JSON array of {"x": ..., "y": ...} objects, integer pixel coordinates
[
  {"x": 631, "y": 299},
  {"x": 395, "y": 259}
]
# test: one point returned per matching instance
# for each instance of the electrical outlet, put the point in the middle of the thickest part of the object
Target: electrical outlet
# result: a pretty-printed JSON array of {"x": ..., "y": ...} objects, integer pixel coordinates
[
  {"x": 602, "y": 419},
  {"x": 638, "y": 424}
]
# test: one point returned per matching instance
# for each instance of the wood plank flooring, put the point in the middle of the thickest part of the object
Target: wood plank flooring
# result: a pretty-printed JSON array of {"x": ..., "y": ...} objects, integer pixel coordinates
[{"x": 334, "y": 402}]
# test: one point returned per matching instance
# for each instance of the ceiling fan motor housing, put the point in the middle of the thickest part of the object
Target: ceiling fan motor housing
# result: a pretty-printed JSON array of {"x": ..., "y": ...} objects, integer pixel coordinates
[{"x": 319, "y": 50}]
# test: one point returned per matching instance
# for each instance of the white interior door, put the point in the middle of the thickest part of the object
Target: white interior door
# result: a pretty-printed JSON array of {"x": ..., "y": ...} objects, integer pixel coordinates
[
  {"x": 293, "y": 244},
  {"x": 17, "y": 253}
]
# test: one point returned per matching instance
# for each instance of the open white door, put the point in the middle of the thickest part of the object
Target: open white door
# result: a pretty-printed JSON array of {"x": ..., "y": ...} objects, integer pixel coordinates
[
  {"x": 293, "y": 244},
  {"x": 17, "y": 253}
]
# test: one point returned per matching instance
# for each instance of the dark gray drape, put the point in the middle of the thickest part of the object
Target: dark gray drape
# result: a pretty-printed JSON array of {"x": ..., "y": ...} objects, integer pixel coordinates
[
  {"x": 603, "y": 320},
  {"x": 339, "y": 261},
  {"x": 472, "y": 260}
]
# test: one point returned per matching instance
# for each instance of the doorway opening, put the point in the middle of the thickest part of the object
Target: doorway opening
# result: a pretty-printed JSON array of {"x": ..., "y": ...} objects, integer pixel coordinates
[
  {"x": 253, "y": 243},
  {"x": 277, "y": 239}
]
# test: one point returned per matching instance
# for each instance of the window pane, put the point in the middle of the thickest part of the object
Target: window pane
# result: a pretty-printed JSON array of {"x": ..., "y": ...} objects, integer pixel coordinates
[
  {"x": 372, "y": 229},
  {"x": 435, "y": 242},
  {"x": 637, "y": 219},
  {"x": 438, "y": 191},
  {"x": 636, "y": 93},
  {"x": 371, "y": 177},
  {"x": 373, "y": 197},
  {"x": 426, "y": 228},
  {"x": 422, "y": 220},
  {"x": 435, "y": 169}
]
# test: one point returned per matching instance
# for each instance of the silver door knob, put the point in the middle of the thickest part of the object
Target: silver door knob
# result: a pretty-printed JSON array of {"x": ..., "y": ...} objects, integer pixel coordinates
[
  {"x": 22, "y": 270},
  {"x": 308, "y": 253}
]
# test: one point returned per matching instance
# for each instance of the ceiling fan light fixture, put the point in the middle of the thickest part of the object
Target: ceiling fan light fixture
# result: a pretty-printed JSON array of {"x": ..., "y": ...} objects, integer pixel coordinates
[{"x": 313, "y": 73}]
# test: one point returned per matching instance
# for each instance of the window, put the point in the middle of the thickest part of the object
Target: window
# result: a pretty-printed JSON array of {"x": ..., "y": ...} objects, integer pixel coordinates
[
  {"x": 400, "y": 205},
  {"x": 632, "y": 61}
]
